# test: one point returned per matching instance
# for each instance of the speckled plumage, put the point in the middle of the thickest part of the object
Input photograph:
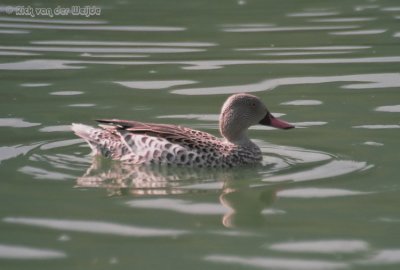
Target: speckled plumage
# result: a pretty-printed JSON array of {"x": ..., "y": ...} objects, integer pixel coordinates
[{"x": 145, "y": 143}]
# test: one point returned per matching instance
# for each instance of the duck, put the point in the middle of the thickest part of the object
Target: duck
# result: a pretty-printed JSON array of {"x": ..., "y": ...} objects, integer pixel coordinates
[{"x": 135, "y": 142}]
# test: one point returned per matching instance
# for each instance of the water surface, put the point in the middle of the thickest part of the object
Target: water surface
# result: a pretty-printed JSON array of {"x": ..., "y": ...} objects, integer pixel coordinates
[{"x": 325, "y": 197}]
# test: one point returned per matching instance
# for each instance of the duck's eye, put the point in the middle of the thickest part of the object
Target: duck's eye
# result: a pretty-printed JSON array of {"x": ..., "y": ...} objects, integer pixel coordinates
[{"x": 253, "y": 104}]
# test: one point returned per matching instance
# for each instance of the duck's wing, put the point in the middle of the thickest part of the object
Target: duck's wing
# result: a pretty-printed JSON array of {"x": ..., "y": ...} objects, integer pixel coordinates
[{"x": 175, "y": 134}]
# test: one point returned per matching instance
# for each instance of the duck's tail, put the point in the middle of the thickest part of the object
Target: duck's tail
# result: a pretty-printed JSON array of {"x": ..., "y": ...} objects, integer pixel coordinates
[
  {"x": 103, "y": 141},
  {"x": 87, "y": 133}
]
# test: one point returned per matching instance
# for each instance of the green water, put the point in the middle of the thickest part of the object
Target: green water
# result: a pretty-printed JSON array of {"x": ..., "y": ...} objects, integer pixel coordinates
[{"x": 325, "y": 197}]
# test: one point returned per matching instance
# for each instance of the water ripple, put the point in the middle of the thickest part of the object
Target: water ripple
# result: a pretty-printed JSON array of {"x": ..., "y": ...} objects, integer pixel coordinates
[
  {"x": 97, "y": 227},
  {"x": 16, "y": 123},
  {"x": 40, "y": 64},
  {"x": 82, "y": 105},
  {"x": 57, "y": 144},
  {"x": 354, "y": 19},
  {"x": 288, "y": 28},
  {"x": 360, "y": 32},
  {"x": 309, "y": 124},
  {"x": 386, "y": 256},
  {"x": 373, "y": 143},
  {"x": 379, "y": 126},
  {"x": 313, "y": 14},
  {"x": 66, "y": 93},
  {"x": 124, "y": 56},
  {"x": 276, "y": 263},
  {"x": 318, "y": 48},
  {"x": 160, "y": 181},
  {"x": 123, "y": 43},
  {"x": 154, "y": 84},
  {"x": 28, "y": 253},
  {"x": 317, "y": 193},
  {"x": 217, "y": 64},
  {"x": 9, "y": 31},
  {"x": 391, "y": 108},
  {"x": 331, "y": 169},
  {"x": 59, "y": 128},
  {"x": 35, "y": 84},
  {"x": 146, "y": 180},
  {"x": 372, "y": 81},
  {"x": 180, "y": 206},
  {"x": 297, "y": 53},
  {"x": 365, "y": 7},
  {"x": 101, "y": 50},
  {"x": 323, "y": 246},
  {"x": 303, "y": 102},
  {"x": 8, "y": 152},
  {"x": 38, "y": 173}
]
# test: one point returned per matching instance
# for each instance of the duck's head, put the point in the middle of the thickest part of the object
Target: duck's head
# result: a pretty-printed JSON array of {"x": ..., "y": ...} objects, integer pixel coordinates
[{"x": 241, "y": 111}]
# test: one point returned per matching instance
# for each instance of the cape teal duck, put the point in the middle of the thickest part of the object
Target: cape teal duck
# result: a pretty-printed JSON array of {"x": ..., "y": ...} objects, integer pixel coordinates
[{"x": 147, "y": 143}]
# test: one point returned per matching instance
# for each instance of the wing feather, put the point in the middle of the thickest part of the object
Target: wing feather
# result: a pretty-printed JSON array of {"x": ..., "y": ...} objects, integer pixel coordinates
[{"x": 171, "y": 133}]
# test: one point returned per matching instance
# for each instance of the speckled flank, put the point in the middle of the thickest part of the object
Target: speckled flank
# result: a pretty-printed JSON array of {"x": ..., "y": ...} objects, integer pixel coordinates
[
  {"x": 197, "y": 148},
  {"x": 198, "y": 151}
]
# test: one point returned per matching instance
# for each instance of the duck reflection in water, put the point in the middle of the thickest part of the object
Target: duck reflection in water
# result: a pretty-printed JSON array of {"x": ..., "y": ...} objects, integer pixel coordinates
[{"x": 244, "y": 202}]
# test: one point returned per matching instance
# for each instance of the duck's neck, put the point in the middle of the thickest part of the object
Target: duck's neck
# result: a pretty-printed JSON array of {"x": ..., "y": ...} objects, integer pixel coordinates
[
  {"x": 238, "y": 138},
  {"x": 242, "y": 140},
  {"x": 234, "y": 131}
]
